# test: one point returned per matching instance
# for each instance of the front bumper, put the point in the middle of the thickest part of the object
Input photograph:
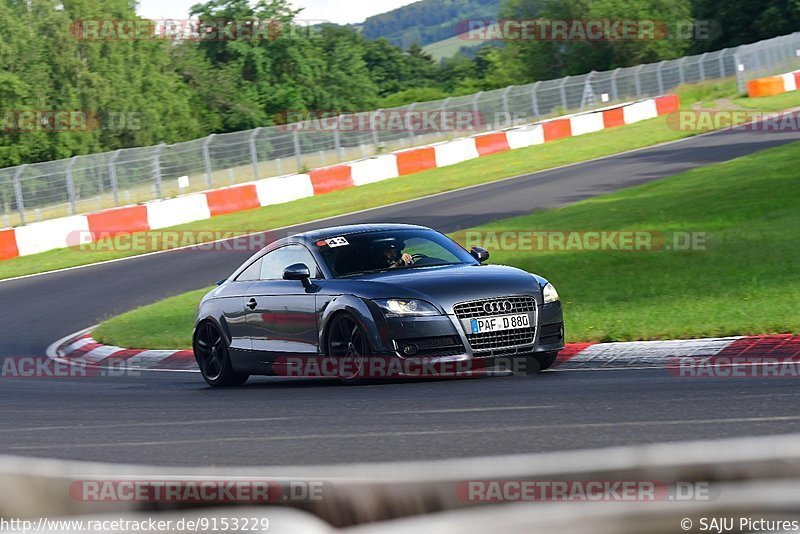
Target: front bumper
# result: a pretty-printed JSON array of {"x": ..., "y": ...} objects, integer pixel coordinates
[{"x": 445, "y": 337}]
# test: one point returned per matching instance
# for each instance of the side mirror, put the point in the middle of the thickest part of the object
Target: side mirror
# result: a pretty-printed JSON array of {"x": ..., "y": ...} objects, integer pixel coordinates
[
  {"x": 298, "y": 271},
  {"x": 480, "y": 254}
]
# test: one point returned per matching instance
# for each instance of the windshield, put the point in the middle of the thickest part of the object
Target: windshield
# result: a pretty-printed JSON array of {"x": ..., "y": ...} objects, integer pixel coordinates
[{"x": 382, "y": 251}]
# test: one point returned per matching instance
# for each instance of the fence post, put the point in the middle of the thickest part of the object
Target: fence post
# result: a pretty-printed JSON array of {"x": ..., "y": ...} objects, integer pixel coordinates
[
  {"x": 740, "y": 75},
  {"x": 73, "y": 208},
  {"x": 588, "y": 98},
  {"x": 157, "y": 170},
  {"x": 504, "y": 97},
  {"x": 660, "y": 78},
  {"x": 112, "y": 174},
  {"x": 722, "y": 62},
  {"x": 376, "y": 140},
  {"x": 442, "y": 111},
  {"x": 337, "y": 140},
  {"x": 298, "y": 159},
  {"x": 535, "y": 101},
  {"x": 638, "y": 80},
  {"x": 562, "y": 88},
  {"x": 614, "y": 88},
  {"x": 18, "y": 192},
  {"x": 475, "y": 109},
  {"x": 254, "y": 152},
  {"x": 207, "y": 158},
  {"x": 702, "y": 67},
  {"x": 681, "y": 74},
  {"x": 410, "y": 130}
]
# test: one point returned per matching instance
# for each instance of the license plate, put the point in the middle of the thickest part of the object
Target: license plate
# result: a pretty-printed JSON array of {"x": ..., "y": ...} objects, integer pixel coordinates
[{"x": 500, "y": 322}]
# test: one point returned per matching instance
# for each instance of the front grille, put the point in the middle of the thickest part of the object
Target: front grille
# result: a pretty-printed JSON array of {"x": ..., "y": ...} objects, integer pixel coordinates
[
  {"x": 501, "y": 343},
  {"x": 551, "y": 333},
  {"x": 468, "y": 310}
]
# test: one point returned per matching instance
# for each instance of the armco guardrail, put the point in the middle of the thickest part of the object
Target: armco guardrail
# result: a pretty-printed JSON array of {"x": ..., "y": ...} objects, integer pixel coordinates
[
  {"x": 757, "y": 476},
  {"x": 82, "y": 184}
]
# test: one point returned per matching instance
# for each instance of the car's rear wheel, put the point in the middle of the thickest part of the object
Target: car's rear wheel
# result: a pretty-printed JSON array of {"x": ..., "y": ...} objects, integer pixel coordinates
[
  {"x": 213, "y": 358},
  {"x": 535, "y": 363},
  {"x": 348, "y": 347}
]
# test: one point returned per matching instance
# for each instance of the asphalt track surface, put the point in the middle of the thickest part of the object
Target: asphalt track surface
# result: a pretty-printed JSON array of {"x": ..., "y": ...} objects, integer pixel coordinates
[{"x": 173, "y": 418}]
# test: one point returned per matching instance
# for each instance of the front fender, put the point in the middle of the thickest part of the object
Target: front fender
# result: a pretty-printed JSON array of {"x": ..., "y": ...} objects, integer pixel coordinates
[
  {"x": 368, "y": 316},
  {"x": 206, "y": 312}
]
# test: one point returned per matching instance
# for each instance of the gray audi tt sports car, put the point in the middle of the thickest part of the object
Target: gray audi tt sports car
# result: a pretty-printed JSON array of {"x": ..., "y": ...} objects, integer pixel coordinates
[{"x": 374, "y": 300}]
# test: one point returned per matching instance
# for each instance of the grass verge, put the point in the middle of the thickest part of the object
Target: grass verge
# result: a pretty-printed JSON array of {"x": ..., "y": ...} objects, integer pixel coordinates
[
  {"x": 482, "y": 170},
  {"x": 744, "y": 282}
]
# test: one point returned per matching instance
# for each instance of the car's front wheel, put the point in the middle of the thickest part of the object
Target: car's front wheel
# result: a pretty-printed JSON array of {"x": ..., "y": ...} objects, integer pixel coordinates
[
  {"x": 213, "y": 358},
  {"x": 348, "y": 347}
]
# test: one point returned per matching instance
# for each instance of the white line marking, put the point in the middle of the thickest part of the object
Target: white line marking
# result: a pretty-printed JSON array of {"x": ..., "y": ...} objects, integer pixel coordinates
[
  {"x": 482, "y": 430},
  {"x": 141, "y": 424},
  {"x": 467, "y": 410}
]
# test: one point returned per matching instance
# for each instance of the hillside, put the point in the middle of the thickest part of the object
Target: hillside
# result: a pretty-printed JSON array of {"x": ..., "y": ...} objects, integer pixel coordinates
[{"x": 427, "y": 21}]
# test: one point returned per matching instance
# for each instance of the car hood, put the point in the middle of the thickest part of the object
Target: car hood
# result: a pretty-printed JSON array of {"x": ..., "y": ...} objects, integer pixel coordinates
[{"x": 448, "y": 285}]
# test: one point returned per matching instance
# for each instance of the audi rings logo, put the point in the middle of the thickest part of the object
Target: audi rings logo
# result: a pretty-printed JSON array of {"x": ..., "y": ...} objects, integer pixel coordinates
[{"x": 498, "y": 306}]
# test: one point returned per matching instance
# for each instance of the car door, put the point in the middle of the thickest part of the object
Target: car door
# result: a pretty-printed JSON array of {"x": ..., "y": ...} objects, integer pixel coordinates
[{"x": 281, "y": 314}]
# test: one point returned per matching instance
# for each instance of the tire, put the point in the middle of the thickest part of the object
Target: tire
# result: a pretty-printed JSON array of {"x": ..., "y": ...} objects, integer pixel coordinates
[
  {"x": 536, "y": 363},
  {"x": 213, "y": 358},
  {"x": 347, "y": 346}
]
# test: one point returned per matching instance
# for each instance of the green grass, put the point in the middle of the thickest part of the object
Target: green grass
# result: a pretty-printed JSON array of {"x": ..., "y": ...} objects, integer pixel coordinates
[
  {"x": 476, "y": 171},
  {"x": 744, "y": 282},
  {"x": 166, "y": 324},
  {"x": 449, "y": 47}
]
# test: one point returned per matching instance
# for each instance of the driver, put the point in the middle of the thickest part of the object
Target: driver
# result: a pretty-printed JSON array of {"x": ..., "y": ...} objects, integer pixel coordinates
[{"x": 392, "y": 252}]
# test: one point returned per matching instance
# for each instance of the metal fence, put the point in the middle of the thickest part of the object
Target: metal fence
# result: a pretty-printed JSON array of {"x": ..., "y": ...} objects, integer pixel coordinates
[{"x": 86, "y": 183}]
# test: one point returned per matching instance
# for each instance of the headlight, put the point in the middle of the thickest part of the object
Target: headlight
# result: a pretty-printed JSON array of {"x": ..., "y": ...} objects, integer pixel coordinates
[
  {"x": 550, "y": 293},
  {"x": 406, "y": 307}
]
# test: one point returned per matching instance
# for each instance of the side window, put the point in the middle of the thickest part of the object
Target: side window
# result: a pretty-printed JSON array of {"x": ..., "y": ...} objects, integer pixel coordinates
[
  {"x": 274, "y": 263},
  {"x": 251, "y": 273}
]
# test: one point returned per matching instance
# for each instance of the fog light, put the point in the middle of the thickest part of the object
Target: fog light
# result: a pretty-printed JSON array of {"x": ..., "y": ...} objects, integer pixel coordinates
[{"x": 410, "y": 349}]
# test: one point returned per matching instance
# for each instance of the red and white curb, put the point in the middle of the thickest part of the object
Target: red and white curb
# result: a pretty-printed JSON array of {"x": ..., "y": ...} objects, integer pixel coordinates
[
  {"x": 82, "y": 349},
  {"x": 663, "y": 354}
]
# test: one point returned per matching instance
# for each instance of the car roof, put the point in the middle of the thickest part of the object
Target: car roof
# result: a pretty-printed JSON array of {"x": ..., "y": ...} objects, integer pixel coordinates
[{"x": 334, "y": 231}]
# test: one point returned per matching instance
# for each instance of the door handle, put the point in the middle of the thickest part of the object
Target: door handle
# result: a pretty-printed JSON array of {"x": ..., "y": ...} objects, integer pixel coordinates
[{"x": 251, "y": 304}]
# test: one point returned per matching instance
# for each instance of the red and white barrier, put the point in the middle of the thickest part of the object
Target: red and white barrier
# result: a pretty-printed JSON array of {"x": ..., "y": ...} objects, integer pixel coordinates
[
  {"x": 452, "y": 152},
  {"x": 774, "y": 85},
  {"x": 48, "y": 235},
  {"x": 284, "y": 189},
  {"x": 368, "y": 171},
  {"x": 58, "y": 233},
  {"x": 178, "y": 210}
]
